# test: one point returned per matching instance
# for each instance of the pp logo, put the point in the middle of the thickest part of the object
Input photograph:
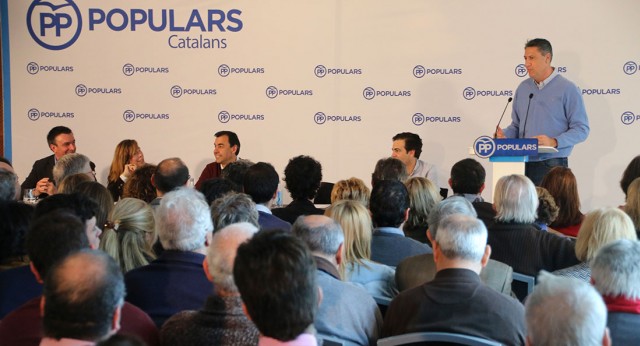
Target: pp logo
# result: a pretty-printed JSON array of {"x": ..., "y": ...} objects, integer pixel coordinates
[
  {"x": 320, "y": 71},
  {"x": 81, "y": 90},
  {"x": 224, "y": 117},
  {"x": 369, "y": 93},
  {"x": 469, "y": 93},
  {"x": 272, "y": 92},
  {"x": 176, "y": 91},
  {"x": 417, "y": 119},
  {"x": 419, "y": 71},
  {"x": 521, "y": 70},
  {"x": 54, "y": 27},
  {"x": 33, "y": 114},
  {"x": 129, "y": 115},
  {"x": 33, "y": 68},
  {"x": 320, "y": 118},
  {"x": 128, "y": 69},
  {"x": 224, "y": 70},
  {"x": 484, "y": 146},
  {"x": 628, "y": 118},
  {"x": 630, "y": 67}
]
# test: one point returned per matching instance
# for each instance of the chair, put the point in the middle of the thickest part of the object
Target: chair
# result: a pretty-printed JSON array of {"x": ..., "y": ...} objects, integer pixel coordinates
[
  {"x": 323, "y": 196},
  {"x": 383, "y": 304},
  {"x": 426, "y": 337},
  {"x": 518, "y": 285}
]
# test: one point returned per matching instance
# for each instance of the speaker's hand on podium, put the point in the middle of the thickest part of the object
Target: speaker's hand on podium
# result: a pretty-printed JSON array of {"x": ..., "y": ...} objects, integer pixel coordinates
[
  {"x": 499, "y": 133},
  {"x": 546, "y": 141}
]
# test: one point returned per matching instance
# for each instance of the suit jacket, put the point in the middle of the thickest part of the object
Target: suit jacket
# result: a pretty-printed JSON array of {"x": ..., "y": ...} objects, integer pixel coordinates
[
  {"x": 174, "y": 282},
  {"x": 17, "y": 286},
  {"x": 268, "y": 221},
  {"x": 485, "y": 212},
  {"x": 389, "y": 246},
  {"x": 623, "y": 327},
  {"x": 415, "y": 271},
  {"x": 43, "y": 168},
  {"x": 296, "y": 208}
]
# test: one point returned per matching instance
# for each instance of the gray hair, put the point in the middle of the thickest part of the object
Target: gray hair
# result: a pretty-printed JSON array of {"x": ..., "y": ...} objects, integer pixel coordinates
[
  {"x": 449, "y": 206},
  {"x": 616, "y": 269},
  {"x": 565, "y": 311},
  {"x": 7, "y": 185},
  {"x": 321, "y": 233},
  {"x": 222, "y": 252},
  {"x": 462, "y": 237},
  {"x": 233, "y": 208},
  {"x": 69, "y": 164},
  {"x": 515, "y": 199},
  {"x": 389, "y": 168},
  {"x": 183, "y": 220}
]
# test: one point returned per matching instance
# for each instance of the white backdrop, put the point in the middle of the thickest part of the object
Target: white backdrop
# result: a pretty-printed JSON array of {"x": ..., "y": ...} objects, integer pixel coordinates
[{"x": 361, "y": 44}]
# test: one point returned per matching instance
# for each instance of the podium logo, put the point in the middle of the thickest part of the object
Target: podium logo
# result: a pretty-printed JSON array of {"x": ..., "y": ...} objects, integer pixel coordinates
[
  {"x": 630, "y": 68},
  {"x": 628, "y": 118},
  {"x": 521, "y": 70},
  {"x": 484, "y": 146},
  {"x": 54, "y": 26}
]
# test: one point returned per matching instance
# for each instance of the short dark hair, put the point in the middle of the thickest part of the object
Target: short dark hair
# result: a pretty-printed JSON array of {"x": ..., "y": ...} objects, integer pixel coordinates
[
  {"x": 630, "y": 174},
  {"x": 77, "y": 204},
  {"x": 170, "y": 174},
  {"x": 411, "y": 142},
  {"x": 543, "y": 46},
  {"x": 236, "y": 170},
  {"x": 5, "y": 160},
  {"x": 302, "y": 176},
  {"x": 215, "y": 188},
  {"x": 233, "y": 208},
  {"x": 388, "y": 203},
  {"x": 261, "y": 182},
  {"x": 233, "y": 139},
  {"x": 276, "y": 276},
  {"x": 467, "y": 176},
  {"x": 389, "y": 168},
  {"x": 15, "y": 218},
  {"x": 80, "y": 304},
  {"x": 54, "y": 236},
  {"x": 139, "y": 185},
  {"x": 55, "y": 132}
]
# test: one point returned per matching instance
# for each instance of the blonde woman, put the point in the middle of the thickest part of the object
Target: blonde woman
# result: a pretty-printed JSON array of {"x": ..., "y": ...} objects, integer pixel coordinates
[
  {"x": 599, "y": 228},
  {"x": 129, "y": 237},
  {"x": 632, "y": 208},
  {"x": 357, "y": 267},
  {"x": 127, "y": 158},
  {"x": 423, "y": 197},
  {"x": 352, "y": 189}
]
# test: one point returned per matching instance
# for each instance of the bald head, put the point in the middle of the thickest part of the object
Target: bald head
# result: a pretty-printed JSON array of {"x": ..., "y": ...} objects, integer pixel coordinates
[
  {"x": 170, "y": 174},
  {"x": 322, "y": 234}
]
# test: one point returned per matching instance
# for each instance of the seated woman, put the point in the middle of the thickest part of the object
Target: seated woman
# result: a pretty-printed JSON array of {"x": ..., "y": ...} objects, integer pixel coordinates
[
  {"x": 101, "y": 196},
  {"x": 423, "y": 197},
  {"x": 357, "y": 267},
  {"x": 562, "y": 185},
  {"x": 547, "y": 210},
  {"x": 352, "y": 189},
  {"x": 139, "y": 186},
  {"x": 599, "y": 228},
  {"x": 632, "y": 208},
  {"x": 126, "y": 159},
  {"x": 129, "y": 237},
  {"x": 69, "y": 183}
]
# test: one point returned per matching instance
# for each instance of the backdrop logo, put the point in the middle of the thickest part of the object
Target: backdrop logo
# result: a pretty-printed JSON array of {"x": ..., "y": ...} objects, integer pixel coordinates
[
  {"x": 81, "y": 90},
  {"x": 369, "y": 93},
  {"x": 484, "y": 146},
  {"x": 33, "y": 114},
  {"x": 54, "y": 26},
  {"x": 630, "y": 67},
  {"x": 320, "y": 72},
  {"x": 420, "y": 119},
  {"x": 128, "y": 70},
  {"x": 129, "y": 116},
  {"x": 224, "y": 117},
  {"x": 272, "y": 92},
  {"x": 521, "y": 70},
  {"x": 321, "y": 118},
  {"x": 417, "y": 119},
  {"x": 628, "y": 118},
  {"x": 420, "y": 71},
  {"x": 224, "y": 70},
  {"x": 608, "y": 91},
  {"x": 33, "y": 68},
  {"x": 176, "y": 91},
  {"x": 469, "y": 93}
]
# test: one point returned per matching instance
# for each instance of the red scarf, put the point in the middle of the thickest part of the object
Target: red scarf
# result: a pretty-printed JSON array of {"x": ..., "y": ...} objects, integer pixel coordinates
[{"x": 622, "y": 304}]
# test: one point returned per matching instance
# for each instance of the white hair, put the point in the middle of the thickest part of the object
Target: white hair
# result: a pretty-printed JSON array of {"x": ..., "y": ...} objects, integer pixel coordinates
[
  {"x": 616, "y": 269},
  {"x": 69, "y": 164},
  {"x": 462, "y": 237},
  {"x": 183, "y": 220},
  {"x": 515, "y": 199},
  {"x": 449, "y": 206},
  {"x": 222, "y": 252}
]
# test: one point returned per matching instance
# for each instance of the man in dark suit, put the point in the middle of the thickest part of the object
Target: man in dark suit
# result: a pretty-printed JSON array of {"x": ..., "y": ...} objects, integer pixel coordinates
[
  {"x": 467, "y": 180},
  {"x": 261, "y": 183}
]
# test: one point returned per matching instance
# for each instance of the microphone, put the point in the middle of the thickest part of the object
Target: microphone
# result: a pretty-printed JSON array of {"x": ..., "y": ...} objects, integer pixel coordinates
[
  {"x": 495, "y": 134},
  {"x": 526, "y": 117}
]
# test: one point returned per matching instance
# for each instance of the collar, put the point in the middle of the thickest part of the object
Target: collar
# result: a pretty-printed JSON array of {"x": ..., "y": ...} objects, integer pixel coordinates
[
  {"x": 471, "y": 197},
  {"x": 417, "y": 167},
  {"x": 263, "y": 208},
  {"x": 622, "y": 304},
  {"x": 181, "y": 256},
  {"x": 304, "y": 339},
  {"x": 458, "y": 273},
  {"x": 389, "y": 230},
  {"x": 326, "y": 266},
  {"x": 548, "y": 80}
]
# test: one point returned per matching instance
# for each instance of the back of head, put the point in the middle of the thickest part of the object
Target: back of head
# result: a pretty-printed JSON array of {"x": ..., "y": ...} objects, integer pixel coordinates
[
  {"x": 81, "y": 296},
  {"x": 462, "y": 237},
  {"x": 218, "y": 187},
  {"x": 356, "y": 224},
  {"x": 222, "y": 252},
  {"x": 261, "y": 182},
  {"x": 70, "y": 164},
  {"x": 7, "y": 185},
  {"x": 77, "y": 204},
  {"x": 170, "y": 174},
  {"x": 411, "y": 142},
  {"x": 15, "y": 218},
  {"x": 55, "y": 132},
  {"x": 236, "y": 170},
  {"x": 139, "y": 185},
  {"x": 275, "y": 274},
  {"x": 562, "y": 185},
  {"x": 467, "y": 176},
  {"x": 322, "y": 234},
  {"x": 388, "y": 204},
  {"x": 600, "y": 227},
  {"x": 124, "y": 151},
  {"x": 302, "y": 176},
  {"x": 547, "y": 208},
  {"x": 515, "y": 199},
  {"x": 52, "y": 237},
  {"x": 233, "y": 208},
  {"x": 632, "y": 208},
  {"x": 423, "y": 197},
  {"x": 450, "y": 206},
  {"x": 389, "y": 168},
  {"x": 99, "y": 194},
  {"x": 615, "y": 270},
  {"x": 351, "y": 189},
  {"x": 565, "y": 311},
  {"x": 233, "y": 139},
  {"x": 70, "y": 182},
  {"x": 183, "y": 220},
  {"x": 630, "y": 174}
]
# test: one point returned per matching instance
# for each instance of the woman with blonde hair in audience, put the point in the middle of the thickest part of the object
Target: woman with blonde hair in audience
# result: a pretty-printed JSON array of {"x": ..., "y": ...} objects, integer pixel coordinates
[
  {"x": 129, "y": 237},
  {"x": 69, "y": 183},
  {"x": 423, "y": 197},
  {"x": 599, "y": 228},
  {"x": 562, "y": 185},
  {"x": 126, "y": 159},
  {"x": 353, "y": 189},
  {"x": 632, "y": 208},
  {"x": 357, "y": 267}
]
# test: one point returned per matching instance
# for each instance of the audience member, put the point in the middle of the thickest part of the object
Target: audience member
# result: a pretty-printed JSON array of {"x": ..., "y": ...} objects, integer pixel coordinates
[
  {"x": 261, "y": 183},
  {"x": 226, "y": 148},
  {"x": 127, "y": 157},
  {"x": 15, "y": 218},
  {"x": 562, "y": 185},
  {"x": 235, "y": 172},
  {"x": 389, "y": 208},
  {"x": 357, "y": 266},
  {"x": 302, "y": 177},
  {"x": 630, "y": 174},
  {"x": 457, "y": 301},
  {"x": 407, "y": 147},
  {"x": 632, "y": 207},
  {"x": 71, "y": 164},
  {"x": 99, "y": 194},
  {"x": 221, "y": 320},
  {"x": 389, "y": 169},
  {"x": 69, "y": 183},
  {"x": 275, "y": 275},
  {"x": 565, "y": 311},
  {"x": 215, "y": 188},
  {"x": 175, "y": 281},
  {"x": 233, "y": 208},
  {"x": 423, "y": 197},
  {"x": 468, "y": 180},
  {"x": 8, "y": 185},
  {"x": 170, "y": 174},
  {"x": 139, "y": 185},
  {"x": 351, "y": 189},
  {"x": 547, "y": 210}
]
